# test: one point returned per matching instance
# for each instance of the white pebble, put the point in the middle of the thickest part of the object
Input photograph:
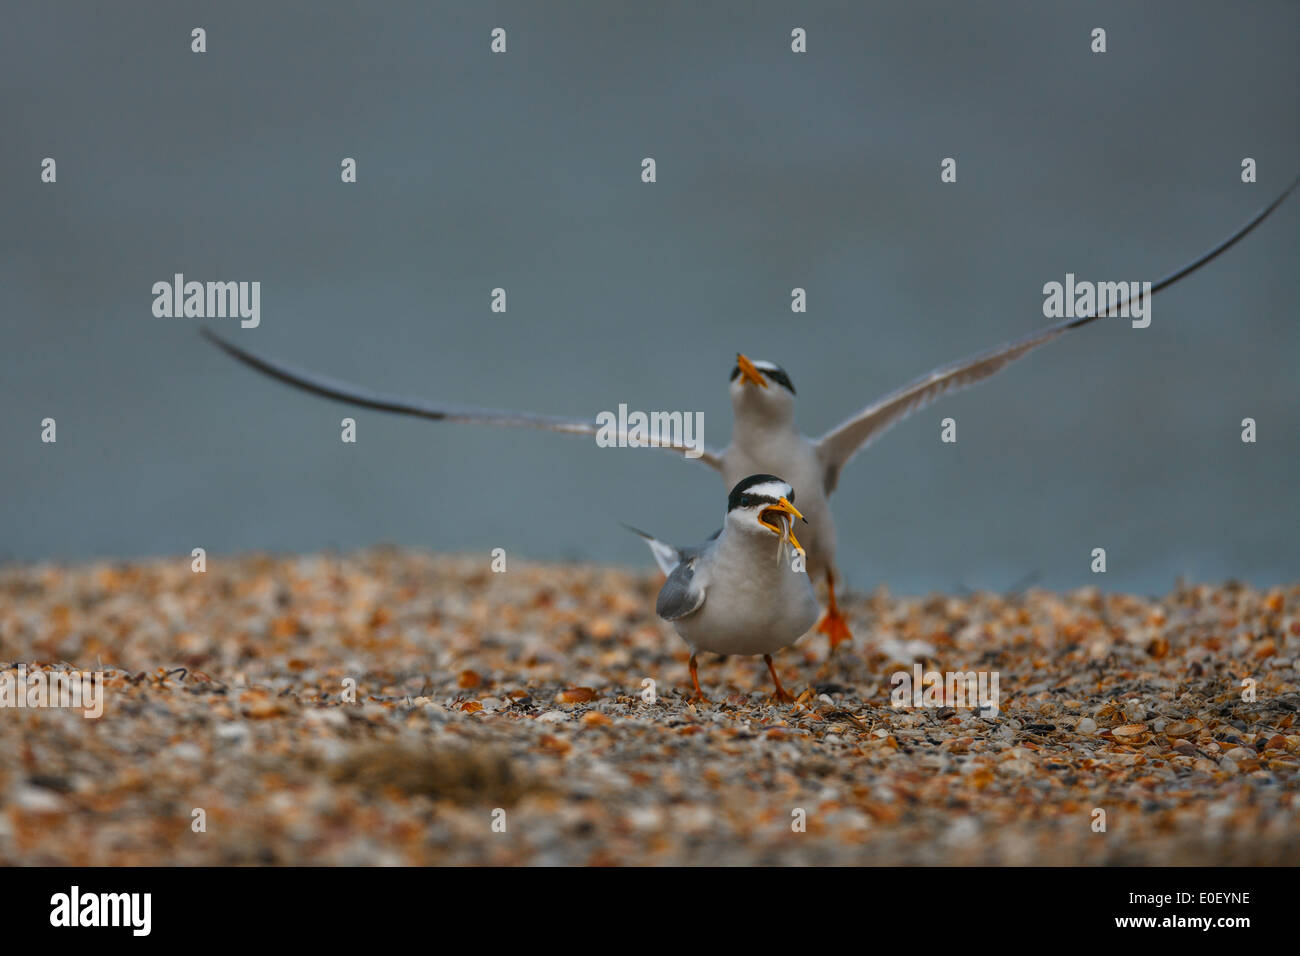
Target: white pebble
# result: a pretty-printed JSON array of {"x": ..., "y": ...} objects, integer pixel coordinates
[
  {"x": 232, "y": 731},
  {"x": 38, "y": 800}
]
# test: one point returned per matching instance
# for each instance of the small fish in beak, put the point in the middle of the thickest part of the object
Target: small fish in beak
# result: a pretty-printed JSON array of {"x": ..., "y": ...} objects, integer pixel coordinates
[{"x": 784, "y": 513}]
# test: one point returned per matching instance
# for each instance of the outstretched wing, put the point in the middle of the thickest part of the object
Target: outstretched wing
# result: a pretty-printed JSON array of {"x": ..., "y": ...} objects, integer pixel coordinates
[
  {"x": 841, "y": 443},
  {"x": 357, "y": 395}
]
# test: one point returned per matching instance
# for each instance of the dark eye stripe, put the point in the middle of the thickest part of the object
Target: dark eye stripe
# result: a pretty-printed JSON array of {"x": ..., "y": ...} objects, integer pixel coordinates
[
  {"x": 742, "y": 491},
  {"x": 778, "y": 375},
  {"x": 751, "y": 501}
]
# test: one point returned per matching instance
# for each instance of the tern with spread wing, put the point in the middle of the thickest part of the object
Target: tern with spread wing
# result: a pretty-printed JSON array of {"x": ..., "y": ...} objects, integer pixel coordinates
[{"x": 764, "y": 437}]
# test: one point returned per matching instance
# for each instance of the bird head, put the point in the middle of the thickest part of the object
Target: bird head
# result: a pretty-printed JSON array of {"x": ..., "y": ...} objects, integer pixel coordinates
[
  {"x": 761, "y": 388},
  {"x": 764, "y": 504}
]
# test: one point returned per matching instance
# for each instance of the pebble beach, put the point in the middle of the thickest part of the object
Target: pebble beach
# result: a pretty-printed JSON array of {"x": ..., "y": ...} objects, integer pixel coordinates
[{"x": 391, "y": 707}]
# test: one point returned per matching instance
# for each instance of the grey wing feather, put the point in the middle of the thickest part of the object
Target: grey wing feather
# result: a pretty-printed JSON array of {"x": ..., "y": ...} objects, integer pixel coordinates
[
  {"x": 841, "y": 443},
  {"x": 681, "y": 595},
  {"x": 358, "y": 395}
]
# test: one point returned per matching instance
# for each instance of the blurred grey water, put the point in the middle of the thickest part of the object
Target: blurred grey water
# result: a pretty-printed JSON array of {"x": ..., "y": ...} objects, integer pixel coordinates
[{"x": 775, "y": 170}]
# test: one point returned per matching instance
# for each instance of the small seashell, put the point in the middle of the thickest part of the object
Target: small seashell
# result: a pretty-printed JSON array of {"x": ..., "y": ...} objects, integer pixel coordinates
[
  {"x": 1130, "y": 730},
  {"x": 263, "y": 708}
]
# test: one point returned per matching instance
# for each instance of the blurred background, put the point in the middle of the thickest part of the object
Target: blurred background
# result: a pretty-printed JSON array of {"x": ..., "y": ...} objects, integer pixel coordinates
[{"x": 775, "y": 170}]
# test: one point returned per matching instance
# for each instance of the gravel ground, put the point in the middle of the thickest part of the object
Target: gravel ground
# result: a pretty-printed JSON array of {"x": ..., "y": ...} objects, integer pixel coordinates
[{"x": 503, "y": 719}]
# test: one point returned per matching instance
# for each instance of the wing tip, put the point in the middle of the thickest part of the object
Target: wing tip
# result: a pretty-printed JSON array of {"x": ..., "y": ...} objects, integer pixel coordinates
[
  {"x": 224, "y": 344},
  {"x": 637, "y": 531}
]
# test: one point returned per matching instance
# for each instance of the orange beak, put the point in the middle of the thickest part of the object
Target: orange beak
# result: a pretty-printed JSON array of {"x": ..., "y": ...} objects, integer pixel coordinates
[
  {"x": 784, "y": 507},
  {"x": 748, "y": 373}
]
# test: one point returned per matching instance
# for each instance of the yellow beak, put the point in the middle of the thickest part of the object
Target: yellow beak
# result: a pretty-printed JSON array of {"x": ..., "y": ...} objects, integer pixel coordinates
[
  {"x": 748, "y": 373},
  {"x": 784, "y": 506}
]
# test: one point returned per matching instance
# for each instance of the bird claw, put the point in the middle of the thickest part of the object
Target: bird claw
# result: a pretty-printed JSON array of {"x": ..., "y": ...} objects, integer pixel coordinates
[{"x": 835, "y": 627}]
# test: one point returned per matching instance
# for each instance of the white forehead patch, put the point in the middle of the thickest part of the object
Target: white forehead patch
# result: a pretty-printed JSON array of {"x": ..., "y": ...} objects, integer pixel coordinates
[
  {"x": 769, "y": 489},
  {"x": 763, "y": 365}
]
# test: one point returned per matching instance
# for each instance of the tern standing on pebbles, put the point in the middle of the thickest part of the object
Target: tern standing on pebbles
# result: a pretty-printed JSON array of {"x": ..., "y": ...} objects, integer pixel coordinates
[
  {"x": 764, "y": 435},
  {"x": 742, "y": 591}
]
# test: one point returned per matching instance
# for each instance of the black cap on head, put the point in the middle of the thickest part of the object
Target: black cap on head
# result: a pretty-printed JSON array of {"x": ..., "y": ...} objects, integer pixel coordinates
[
  {"x": 746, "y": 495},
  {"x": 769, "y": 371}
]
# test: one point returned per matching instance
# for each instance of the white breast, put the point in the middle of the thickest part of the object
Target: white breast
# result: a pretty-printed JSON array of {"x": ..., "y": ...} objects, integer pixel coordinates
[
  {"x": 789, "y": 455},
  {"x": 752, "y": 604}
]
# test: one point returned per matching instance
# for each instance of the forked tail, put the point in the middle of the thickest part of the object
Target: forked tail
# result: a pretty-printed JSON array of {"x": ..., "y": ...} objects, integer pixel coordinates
[{"x": 666, "y": 556}]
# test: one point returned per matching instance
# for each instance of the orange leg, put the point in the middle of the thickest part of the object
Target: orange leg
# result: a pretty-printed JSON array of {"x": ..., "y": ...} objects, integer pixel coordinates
[
  {"x": 781, "y": 695},
  {"x": 695, "y": 679},
  {"x": 833, "y": 624}
]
